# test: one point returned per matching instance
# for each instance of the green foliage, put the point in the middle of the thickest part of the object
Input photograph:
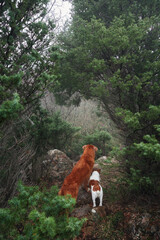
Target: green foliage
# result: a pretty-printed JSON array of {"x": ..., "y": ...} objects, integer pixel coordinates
[
  {"x": 111, "y": 230},
  {"x": 31, "y": 138},
  {"x": 153, "y": 113},
  {"x": 101, "y": 139},
  {"x": 129, "y": 118},
  {"x": 144, "y": 164},
  {"x": 150, "y": 148},
  {"x": 143, "y": 156},
  {"x": 10, "y": 108},
  {"x": 36, "y": 214},
  {"x": 25, "y": 70},
  {"x": 118, "y": 152},
  {"x": 50, "y": 131},
  {"x": 141, "y": 9},
  {"x": 117, "y": 218},
  {"x": 110, "y": 52},
  {"x": 137, "y": 120},
  {"x": 137, "y": 183},
  {"x": 113, "y": 50}
]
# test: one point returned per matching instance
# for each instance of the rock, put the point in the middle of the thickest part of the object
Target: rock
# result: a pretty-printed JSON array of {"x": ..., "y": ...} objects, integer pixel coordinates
[
  {"x": 89, "y": 231},
  {"x": 93, "y": 210},
  {"x": 114, "y": 161},
  {"x": 101, "y": 211},
  {"x": 101, "y": 159},
  {"x": 56, "y": 167},
  {"x": 84, "y": 197},
  {"x": 153, "y": 229},
  {"x": 81, "y": 211},
  {"x": 157, "y": 235},
  {"x": 140, "y": 225},
  {"x": 96, "y": 165},
  {"x": 145, "y": 220}
]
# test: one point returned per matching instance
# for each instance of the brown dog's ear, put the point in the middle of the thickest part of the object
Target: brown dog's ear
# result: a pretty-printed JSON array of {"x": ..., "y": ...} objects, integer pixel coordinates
[
  {"x": 99, "y": 170},
  {"x": 84, "y": 147},
  {"x": 95, "y": 148}
]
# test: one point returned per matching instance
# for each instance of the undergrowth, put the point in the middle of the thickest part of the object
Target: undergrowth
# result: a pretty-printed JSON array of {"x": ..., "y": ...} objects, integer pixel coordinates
[{"x": 35, "y": 214}]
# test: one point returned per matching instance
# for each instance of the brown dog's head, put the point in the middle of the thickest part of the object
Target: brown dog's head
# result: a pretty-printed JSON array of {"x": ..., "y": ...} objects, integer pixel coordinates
[{"x": 90, "y": 146}]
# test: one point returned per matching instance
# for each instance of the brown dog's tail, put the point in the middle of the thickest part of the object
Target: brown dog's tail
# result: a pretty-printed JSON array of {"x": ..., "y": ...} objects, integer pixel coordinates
[{"x": 71, "y": 189}]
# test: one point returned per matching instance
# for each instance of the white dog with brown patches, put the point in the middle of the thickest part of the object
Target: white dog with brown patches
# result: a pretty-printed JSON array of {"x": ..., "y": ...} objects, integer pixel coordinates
[{"x": 95, "y": 187}]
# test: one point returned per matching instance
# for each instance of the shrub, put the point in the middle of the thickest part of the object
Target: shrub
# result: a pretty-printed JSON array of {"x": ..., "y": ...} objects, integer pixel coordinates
[
  {"x": 137, "y": 183},
  {"x": 143, "y": 165},
  {"x": 148, "y": 151},
  {"x": 51, "y": 131},
  {"x": 35, "y": 214},
  {"x": 27, "y": 141},
  {"x": 101, "y": 139}
]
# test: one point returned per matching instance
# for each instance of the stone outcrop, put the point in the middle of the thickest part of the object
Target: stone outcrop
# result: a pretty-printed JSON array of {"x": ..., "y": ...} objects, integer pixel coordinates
[{"x": 56, "y": 167}]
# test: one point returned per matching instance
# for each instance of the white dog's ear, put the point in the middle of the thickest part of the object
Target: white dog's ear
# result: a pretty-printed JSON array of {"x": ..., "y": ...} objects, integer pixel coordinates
[{"x": 84, "y": 147}]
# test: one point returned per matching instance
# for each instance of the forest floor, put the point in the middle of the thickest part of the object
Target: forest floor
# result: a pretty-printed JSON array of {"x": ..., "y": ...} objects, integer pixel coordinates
[{"x": 122, "y": 217}]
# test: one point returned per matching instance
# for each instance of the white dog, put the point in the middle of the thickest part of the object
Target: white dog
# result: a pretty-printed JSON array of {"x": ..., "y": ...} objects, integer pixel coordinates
[{"x": 95, "y": 187}]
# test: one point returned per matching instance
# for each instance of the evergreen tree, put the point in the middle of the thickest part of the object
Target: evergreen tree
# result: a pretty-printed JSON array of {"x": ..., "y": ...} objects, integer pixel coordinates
[
  {"x": 26, "y": 71},
  {"x": 24, "y": 58},
  {"x": 111, "y": 53}
]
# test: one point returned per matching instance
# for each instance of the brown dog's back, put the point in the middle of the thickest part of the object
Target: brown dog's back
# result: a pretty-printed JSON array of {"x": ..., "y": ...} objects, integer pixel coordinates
[{"x": 80, "y": 172}]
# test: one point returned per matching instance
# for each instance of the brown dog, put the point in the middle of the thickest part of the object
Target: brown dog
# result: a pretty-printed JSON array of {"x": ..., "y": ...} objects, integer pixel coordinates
[{"x": 80, "y": 173}]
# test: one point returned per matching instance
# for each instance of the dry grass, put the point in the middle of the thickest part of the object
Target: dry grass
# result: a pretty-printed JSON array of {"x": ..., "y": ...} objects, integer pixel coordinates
[{"x": 88, "y": 115}]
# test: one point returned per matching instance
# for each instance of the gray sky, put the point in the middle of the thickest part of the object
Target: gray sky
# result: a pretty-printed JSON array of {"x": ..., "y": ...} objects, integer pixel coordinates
[{"x": 61, "y": 12}]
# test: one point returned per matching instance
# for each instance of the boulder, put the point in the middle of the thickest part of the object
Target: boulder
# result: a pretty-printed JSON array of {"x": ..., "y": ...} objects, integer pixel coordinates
[
  {"x": 81, "y": 211},
  {"x": 56, "y": 167}
]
